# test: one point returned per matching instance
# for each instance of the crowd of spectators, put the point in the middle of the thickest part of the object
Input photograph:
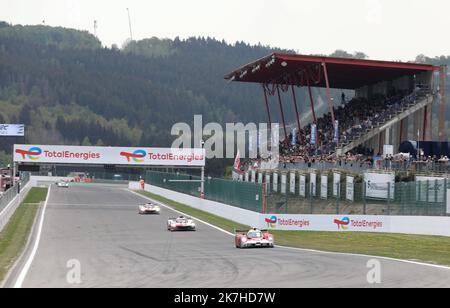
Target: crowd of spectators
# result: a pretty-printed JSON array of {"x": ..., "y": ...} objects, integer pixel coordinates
[{"x": 355, "y": 117}]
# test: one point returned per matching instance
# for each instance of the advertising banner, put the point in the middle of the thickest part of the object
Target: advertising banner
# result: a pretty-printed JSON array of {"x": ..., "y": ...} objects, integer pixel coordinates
[
  {"x": 253, "y": 174},
  {"x": 377, "y": 185},
  {"x": 267, "y": 183},
  {"x": 448, "y": 201},
  {"x": 292, "y": 182},
  {"x": 330, "y": 223},
  {"x": 430, "y": 189},
  {"x": 302, "y": 186},
  {"x": 275, "y": 182},
  {"x": 12, "y": 130},
  {"x": 260, "y": 177},
  {"x": 336, "y": 184},
  {"x": 324, "y": 187},
  {"x": 350, "y": 189},
  {"x": 62, "y": 154},
  {"x": 283, "y": 183},
  {"x": 313, "y": 182}
]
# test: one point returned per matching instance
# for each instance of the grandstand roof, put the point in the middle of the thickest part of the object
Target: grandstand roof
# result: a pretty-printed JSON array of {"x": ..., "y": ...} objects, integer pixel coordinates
[{"x": 292, "y": 69}]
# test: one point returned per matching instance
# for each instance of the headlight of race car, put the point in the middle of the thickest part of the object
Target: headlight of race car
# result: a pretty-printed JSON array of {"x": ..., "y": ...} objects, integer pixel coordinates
[{"x": 244, "y": 239}]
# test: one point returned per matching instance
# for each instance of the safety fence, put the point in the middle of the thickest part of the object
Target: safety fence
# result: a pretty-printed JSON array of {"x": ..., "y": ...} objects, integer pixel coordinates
[
  {"x": 6, "y": 209},
  {"x": 243, "y": 195},
  {"x": 324, "y": 195}
]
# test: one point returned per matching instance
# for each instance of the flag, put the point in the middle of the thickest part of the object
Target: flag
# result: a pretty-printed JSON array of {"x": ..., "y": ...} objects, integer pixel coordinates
[
  {"x": 313, "y": 134},
  {"x": 336, "y": 132},
  {"x": 237, "y": 163},
  {"x": 294, "y": 137}
]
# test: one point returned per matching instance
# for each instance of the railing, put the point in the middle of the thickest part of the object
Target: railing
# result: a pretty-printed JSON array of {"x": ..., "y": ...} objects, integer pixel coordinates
[
  {"x": 6, "y": 199},
  {"x": 240, "y": 194},
  {"x": 361, "y": 166},
  {"x": 421, "y": 198}
]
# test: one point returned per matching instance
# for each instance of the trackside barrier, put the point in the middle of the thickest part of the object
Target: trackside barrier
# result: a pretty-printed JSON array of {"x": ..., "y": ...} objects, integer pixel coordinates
[
  {"x": 11, "y": 200},
  {"x": 420, "y": 225},
  {"x": 236, "y": 214},
  {"x": 243, "y": 195}
]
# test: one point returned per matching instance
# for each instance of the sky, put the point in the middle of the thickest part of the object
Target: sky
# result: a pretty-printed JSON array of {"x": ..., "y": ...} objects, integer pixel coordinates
[{"x": 383, "y": 29}]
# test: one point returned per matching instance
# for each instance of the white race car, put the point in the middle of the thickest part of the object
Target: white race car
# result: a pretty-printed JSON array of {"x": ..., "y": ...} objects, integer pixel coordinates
[
  {"x": 181, "y": 224},
  {"x": 149, "y": 208},
  {"x": 254, "y": 238},
  {"x": 63, "y": 184}
]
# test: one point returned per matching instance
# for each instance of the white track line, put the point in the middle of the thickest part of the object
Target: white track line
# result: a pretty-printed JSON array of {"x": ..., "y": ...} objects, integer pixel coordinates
[
  {"x": 302, "y": 249},
  {"x": 26, "y": 267}
]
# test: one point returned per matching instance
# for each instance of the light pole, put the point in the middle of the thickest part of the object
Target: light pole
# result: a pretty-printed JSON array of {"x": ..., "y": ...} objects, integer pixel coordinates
[
  {"x": 418, "y": 144},
  {"x": 202, "y": 179},
  {"x": 129, "y": 24}
]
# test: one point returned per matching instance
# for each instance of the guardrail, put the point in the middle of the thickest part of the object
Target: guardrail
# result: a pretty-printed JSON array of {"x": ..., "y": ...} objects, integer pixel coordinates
[{"x": 11, "y": 200}]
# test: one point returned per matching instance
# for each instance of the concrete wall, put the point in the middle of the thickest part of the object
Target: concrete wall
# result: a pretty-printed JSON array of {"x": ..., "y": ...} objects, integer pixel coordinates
[
  {"x": 226, "y": 211},
  {"x": 351, "y": 223},
  {"x": 332, "y": 223},
  {"x": 9, "y": 210}
]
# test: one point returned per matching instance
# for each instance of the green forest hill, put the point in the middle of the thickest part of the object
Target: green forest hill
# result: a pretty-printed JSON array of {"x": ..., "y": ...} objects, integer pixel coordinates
[{"x": 68, "y": 89}]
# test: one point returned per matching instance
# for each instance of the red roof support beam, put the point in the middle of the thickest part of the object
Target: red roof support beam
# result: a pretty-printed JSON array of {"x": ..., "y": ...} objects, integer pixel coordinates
[
  {"x": 443, "y": 74},
  {"x": 296, "y": 109},
  {"x": 311, "y": 99},
  {"x": 269, "y": 118},
  {"x": 282, "y": 115},
  {"x": 330, "y": 100},
  {"x": 425, "y": 126}
]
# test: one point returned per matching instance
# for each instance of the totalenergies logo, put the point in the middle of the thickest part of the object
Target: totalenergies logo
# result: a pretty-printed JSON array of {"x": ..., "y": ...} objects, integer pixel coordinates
[
  {"x": 272, "y": 222},
  {"x": 32, "y": 154},
  {"x": 137, "y": 156},
  {"x": 342, "y": 223}
]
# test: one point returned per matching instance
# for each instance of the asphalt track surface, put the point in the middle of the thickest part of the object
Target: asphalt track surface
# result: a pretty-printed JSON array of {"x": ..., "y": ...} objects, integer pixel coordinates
[{"x": 116, "y": 247}]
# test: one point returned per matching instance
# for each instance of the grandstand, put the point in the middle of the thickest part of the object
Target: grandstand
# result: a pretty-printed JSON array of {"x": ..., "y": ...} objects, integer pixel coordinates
[{"x": 392, "y": 102}]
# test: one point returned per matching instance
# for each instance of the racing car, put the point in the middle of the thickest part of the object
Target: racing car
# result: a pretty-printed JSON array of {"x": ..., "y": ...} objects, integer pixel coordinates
[
  {"x": 254, "y": 238},
  {"x": 181, "y": 224},
  {"x": 149, "y": 208},
  {"x": 63, "y": 184}
]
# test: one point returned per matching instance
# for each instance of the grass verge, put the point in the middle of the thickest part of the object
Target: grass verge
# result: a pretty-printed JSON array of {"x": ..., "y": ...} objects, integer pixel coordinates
[
  {"x": 428, "y": 249},
  {"x": 14, "y": 236}
]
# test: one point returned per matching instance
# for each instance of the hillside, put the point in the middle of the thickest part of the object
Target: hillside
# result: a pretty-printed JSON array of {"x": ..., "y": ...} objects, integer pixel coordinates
[{"x": 68, "y": 89}]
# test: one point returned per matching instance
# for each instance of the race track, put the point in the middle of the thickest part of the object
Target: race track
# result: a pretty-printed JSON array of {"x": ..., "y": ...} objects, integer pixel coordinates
[{"x": 116, "y": 247}]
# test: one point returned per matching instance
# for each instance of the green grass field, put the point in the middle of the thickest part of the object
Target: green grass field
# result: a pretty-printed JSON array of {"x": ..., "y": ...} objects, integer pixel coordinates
[
  {"x": 428, "y": 249},
  {"x": 15, "y": 235}
]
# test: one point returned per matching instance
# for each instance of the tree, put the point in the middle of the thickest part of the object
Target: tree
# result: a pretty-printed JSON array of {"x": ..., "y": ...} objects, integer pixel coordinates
[
  {"x": 86, "y": 142},
  {"x": 25, "y": 115}
]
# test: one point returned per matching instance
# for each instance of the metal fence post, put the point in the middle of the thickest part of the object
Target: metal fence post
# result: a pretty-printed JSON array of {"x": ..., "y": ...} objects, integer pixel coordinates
[
  {"x": 403, "y": 197},
  {"x": 428, "y": 197},
  {"x": 389, "y": 199},
  {"x": 436, "y": 188},
  {"x": 364, "y": 190},
  {"x": 338, "y": 197},
  {"x": 445, "y": 198}
]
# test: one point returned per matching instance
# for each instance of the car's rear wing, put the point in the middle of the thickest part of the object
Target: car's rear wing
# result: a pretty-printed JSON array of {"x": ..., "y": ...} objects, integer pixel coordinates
[
  {"x": 243, "y": 232},
  {"x": 246, "y": 231}
]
